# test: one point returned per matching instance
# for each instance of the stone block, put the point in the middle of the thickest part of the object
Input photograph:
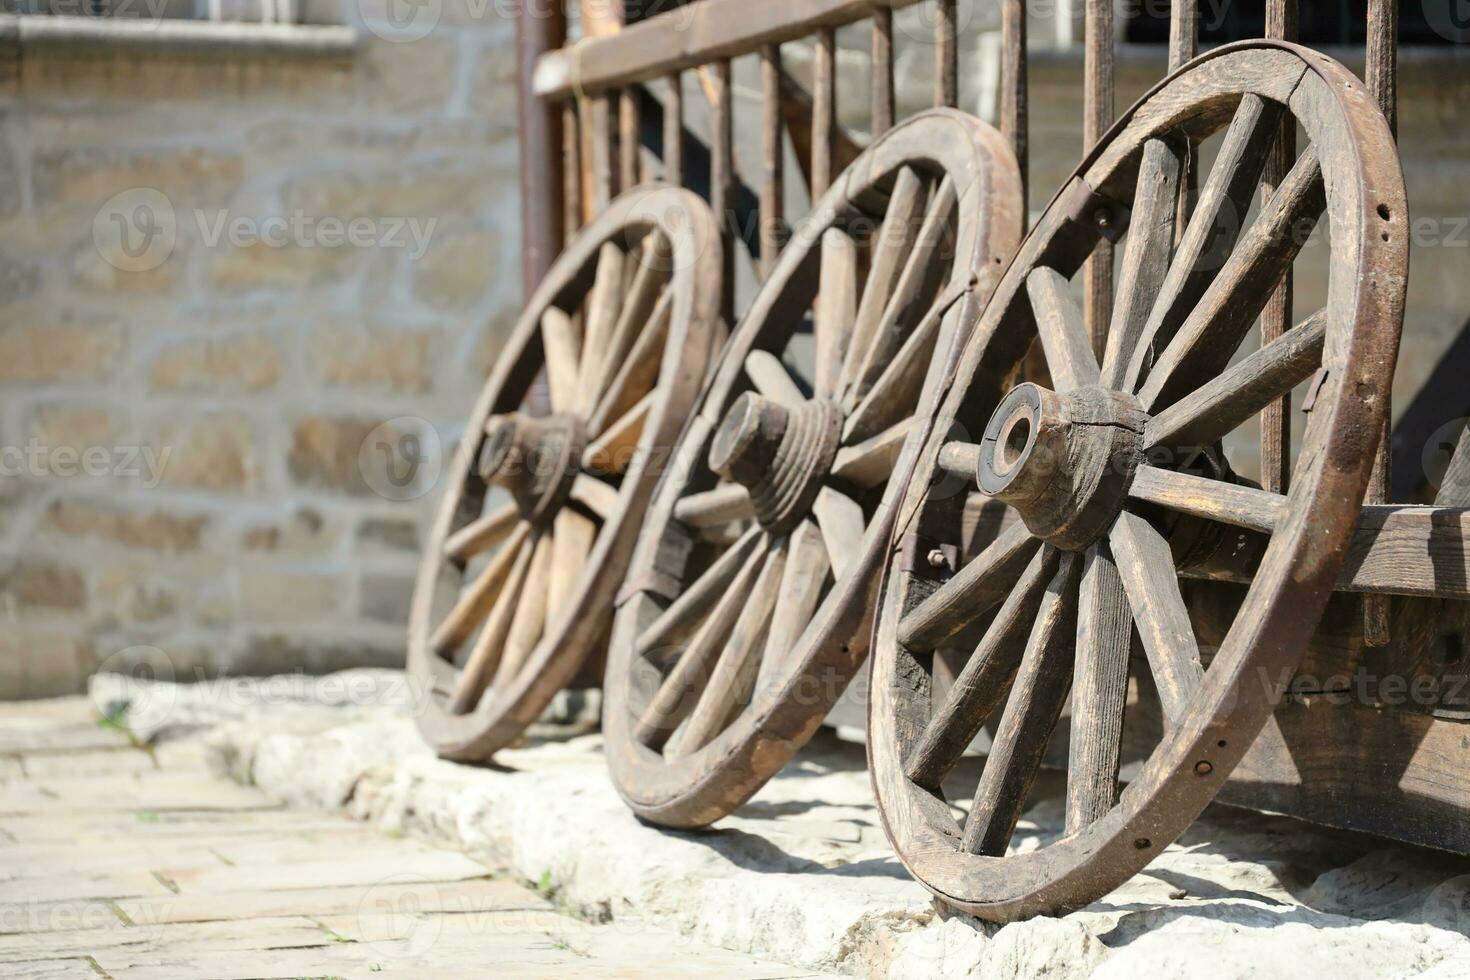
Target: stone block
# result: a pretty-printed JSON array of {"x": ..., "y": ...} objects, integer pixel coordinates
[
  {"x": 37, "y": 352},
  {"x": 154, "y": 530},
  {"x": 385, "y": 597},
  {"x": 241, "y": 362},
  {"x": 41, "y": 584},
  {"x": 304, "y": 531},
  {"x": 67, "y": 423},
  {"x": 458, "y": 270},
  {"x": 271, "y": 594},
  {"x": 43, "y": 663},
  {"x": 324, "y": 453},
  {"x": 213, "y": 451},
  {"x": 132, "y": 594},
  {"x": 375, "y": 357},
  {"x": 258, "y": 265},
  {"x": 189, "y": 176},
  {"x": 398, "y": 535},
  {"x": 280, "y": 653}
]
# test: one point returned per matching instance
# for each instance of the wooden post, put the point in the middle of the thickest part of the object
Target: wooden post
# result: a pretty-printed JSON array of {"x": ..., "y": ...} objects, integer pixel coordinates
[
  {"x": 674, "y": 132},
  {"x": 1013, "y": 91},
  {"x": 946, "y": 54},
  {"x": 540, "y": 125},
  {"x": 722, "y": 180},
  {"x": 882, "y": 109},
  {"x": 1381, "y": 74},
  {"x": 1097, "y": 113},
  {"x": 824, "y": 110},
  {"x": 772, "y": 176},
  {"x": 1281, "y": 25}
]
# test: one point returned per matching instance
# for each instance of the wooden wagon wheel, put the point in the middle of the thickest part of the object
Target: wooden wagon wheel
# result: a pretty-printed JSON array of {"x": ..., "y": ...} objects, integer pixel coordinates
[
  {"x": 1115, "y": 470},
  {"x": 751, "y": 591},
  {"x": 516, "y": 586}
]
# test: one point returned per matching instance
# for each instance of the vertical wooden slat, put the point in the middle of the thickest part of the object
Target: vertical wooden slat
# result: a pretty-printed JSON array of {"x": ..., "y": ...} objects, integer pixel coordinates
[
  {"x": 599, "y": 112},
  {"x": 629, "y": 137},
  {"x": 772, "y": 176},
  {"x": 571, "y": 142},
  {"x": 1183, "y": 46},
  {"x": 540, "y": 127},
  {"x": 946, "y": 54},
  {"x": 882, "y": 70},
  {"x": 1097, "y": 113},
  {"x": 674, "y": 131},
  {"x": 722, "y": 179},
  {"x": 824, "y": 110},
  {"x": 1013, "y": 90},
  {"x": 1381, "y": 73},
  {"x": 1281, "y": 25}
]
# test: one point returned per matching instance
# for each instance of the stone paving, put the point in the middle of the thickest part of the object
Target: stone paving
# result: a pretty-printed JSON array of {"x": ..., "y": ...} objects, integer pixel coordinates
[
  {"x": 801, "y": 875},
  {"x": 128, "y": 860}
]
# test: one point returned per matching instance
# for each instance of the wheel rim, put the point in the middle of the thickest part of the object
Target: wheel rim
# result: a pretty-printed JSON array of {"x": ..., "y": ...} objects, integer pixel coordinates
[
  {"x": 713, "y": 683},
  {"x": 517, "y": 581},
  {"x": 1086, "y": 555}
]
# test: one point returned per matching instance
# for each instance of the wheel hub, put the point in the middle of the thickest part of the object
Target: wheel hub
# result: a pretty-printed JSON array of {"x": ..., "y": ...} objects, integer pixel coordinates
[
  {"x": 1064, "y": 461},
  {"x": 536, "y": 459},
  {"x": 780, "y": 454}
]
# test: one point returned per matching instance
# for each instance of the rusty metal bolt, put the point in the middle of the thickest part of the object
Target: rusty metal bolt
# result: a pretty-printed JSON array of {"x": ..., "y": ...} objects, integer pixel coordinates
[
  {"x": 1102, "y": 217},
  {"x": 1203, "y": 768},
  {"x": 936, "y": 558}
]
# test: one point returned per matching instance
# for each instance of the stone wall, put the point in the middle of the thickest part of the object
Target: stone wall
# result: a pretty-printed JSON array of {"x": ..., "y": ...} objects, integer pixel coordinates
[
  {"x": 185, "y": 394},
  {"x": 238, "y": 294}
]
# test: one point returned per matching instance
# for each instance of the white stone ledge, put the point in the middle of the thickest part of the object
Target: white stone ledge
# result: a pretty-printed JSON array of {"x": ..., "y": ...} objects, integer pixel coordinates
[{"x": 44, "y": 34}]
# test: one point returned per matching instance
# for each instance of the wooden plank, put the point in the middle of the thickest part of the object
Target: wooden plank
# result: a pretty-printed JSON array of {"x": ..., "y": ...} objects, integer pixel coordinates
[
  {"x": 688, "y": 37},
  {"x": 1013, "y": 82},
  {"x": 1097, "y": 115},
  {"x": 824, "y": 110},
  {"x": 773, "y": 158},
  {"x": 946, "y": 54},
  {"x": 881, "y": 110}
]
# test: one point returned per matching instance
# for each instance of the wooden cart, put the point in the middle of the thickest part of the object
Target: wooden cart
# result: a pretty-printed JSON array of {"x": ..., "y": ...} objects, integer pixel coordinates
[{"x": 979, "y": 622}]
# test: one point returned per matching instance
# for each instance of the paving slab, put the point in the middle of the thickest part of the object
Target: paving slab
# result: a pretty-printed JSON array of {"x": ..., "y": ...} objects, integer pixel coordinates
[{"x": 123, "y": 856}]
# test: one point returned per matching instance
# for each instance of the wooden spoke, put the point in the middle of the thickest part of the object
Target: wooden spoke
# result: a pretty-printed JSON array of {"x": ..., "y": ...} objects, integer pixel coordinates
[
  {"x": 676, "y": 622},
  {"x": 602, "y": 313},
  {"x": 1147, "y": 569},
  {"x": 1063, "y": 335},
  {"x": 771, "y": 378},
  {"x": 1030, "y": 714},
  {"x": 1099, "y": 689},
  {"x": 1145, "y": 256},
  {"x": 598, "y": 497},
  {"x": 572, "y": 537},
  {"x": 529, "y": 616},
  {"x": 841, "y": 520},
  {"x": 611, "y": 453},
  {"x": 643, "y": 295},
  {"x": 475, "y": 602},
  {"x": 482, "y": 534},
  {"x": 562, "y": 349},
  {"x": 870, "y": 462},
  {"x": 1213, "y": 500},
  {"x": 676, "y": 695},
  {"x": 807, "y": 565},
  {"x": 1212, "y": 228},
  {"x": 1214, "y": 328},
  {"x": 895, "y": 240},
  {"x": 919, "y": 270},
  {"x": 974, "y": 590},
  {"x": 892, "y": 396},
  {"x": 1226, "y": 401},
  {"x": 636, "y": 376},
  {"x": 984, "y": 679},
  {"x": 836, "y": 308},
  {"x": 725, "y": 503},
  {"x": 489, "y": 646},
  {"x": 733, "y": 680}
]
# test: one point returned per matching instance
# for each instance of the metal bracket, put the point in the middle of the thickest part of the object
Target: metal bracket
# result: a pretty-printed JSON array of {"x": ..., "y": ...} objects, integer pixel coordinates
[
  {"x": 1106, "y": 217},
  {"x": 923, "y": 556},
  {"x": 1314, "y": 388}
]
